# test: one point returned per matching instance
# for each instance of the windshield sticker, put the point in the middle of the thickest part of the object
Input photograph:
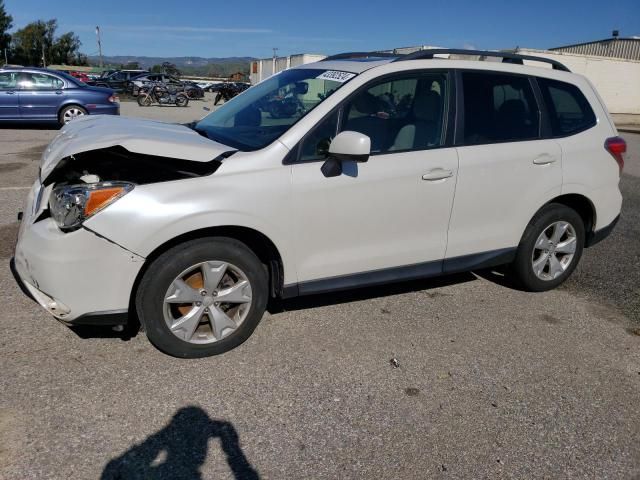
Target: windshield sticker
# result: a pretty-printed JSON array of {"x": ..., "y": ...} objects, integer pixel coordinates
[{"x": 336, "y": 76}]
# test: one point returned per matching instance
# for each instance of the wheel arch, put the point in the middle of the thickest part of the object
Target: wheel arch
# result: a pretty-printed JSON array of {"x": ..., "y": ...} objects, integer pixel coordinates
[
  {"x": 582, "y": 205},
  {"x": 259, "y": 243}
]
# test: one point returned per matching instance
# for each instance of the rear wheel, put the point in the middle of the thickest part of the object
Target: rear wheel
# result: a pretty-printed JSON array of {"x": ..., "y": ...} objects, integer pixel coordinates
[
  {"x": 70, "y": 112},
  {"x": 203, "y": 297},
  {"x": 182, "y": 100},
  {"x": 550, "y": 248}
]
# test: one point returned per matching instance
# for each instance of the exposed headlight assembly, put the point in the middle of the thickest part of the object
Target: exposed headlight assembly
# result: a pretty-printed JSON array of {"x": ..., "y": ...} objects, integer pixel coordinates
[{"x": 70, "y": 205}]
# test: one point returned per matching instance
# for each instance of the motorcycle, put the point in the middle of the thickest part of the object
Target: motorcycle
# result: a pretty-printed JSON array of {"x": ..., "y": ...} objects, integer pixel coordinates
[
  {"x": 161, "y": 94},
  {"x": 226, "y": 91},
  {"x": 287, "y": 104}
]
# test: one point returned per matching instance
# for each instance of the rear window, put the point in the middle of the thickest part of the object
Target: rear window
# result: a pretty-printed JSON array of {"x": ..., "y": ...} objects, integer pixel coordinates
[
  {"x": 498, "y": 108},
  {"x": 569, "y": 110}
]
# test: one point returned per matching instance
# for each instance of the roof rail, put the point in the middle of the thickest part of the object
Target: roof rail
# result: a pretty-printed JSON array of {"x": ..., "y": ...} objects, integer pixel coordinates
[
  {"x": 507, "y": 57},
  {"x": 354, "y": 55}
]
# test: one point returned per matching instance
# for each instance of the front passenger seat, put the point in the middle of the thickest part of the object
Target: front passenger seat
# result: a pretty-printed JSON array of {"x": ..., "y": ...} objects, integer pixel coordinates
[{"x": 425, "y": 127}]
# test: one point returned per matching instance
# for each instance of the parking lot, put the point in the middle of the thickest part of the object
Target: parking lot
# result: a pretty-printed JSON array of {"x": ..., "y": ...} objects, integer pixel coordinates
[{"x": 458, "y": 377}]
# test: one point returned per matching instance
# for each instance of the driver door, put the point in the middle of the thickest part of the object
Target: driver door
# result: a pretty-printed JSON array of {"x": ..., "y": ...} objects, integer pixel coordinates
[{"x": 385, "y": 219}]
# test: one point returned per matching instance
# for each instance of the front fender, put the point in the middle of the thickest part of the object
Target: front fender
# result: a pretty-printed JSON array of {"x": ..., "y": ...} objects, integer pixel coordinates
[{"x": 152, "y": 215}]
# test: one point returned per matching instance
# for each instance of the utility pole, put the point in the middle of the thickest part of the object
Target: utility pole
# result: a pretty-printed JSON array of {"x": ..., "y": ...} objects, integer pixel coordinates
[
  {"x": 275, "y": 55},
  {"x": 5, "y": 57},
  {"x": 99, "y": 46},
  {"x": 44, "y": 60}
]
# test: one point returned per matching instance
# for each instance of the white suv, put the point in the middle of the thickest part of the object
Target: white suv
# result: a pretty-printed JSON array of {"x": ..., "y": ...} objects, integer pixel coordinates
[{"x": 358, "y": 170}]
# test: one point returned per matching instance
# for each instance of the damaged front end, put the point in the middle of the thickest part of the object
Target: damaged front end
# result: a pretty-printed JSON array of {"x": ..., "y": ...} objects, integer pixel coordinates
[{"x": 83, "y": 184}]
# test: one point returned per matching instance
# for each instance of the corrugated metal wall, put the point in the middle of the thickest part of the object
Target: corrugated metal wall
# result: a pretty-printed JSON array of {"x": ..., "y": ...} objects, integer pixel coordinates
[{"x": 628, "y": 48}]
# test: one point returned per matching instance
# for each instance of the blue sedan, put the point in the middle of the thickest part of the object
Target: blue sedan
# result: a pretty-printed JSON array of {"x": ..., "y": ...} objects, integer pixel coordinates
[{"x": 41, "y": 95}]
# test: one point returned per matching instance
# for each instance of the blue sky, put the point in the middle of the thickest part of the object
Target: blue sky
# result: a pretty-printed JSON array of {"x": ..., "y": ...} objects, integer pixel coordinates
[{"x": 251, "y": 28}]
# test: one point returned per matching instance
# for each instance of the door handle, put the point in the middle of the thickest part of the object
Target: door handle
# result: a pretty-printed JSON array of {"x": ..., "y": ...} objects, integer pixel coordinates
[
  {"x": 437, "y": 174},
  {"x": 10, "y": 92},
  {"x": 58, "y": 92},
  {"x": 544, "y": 159}
]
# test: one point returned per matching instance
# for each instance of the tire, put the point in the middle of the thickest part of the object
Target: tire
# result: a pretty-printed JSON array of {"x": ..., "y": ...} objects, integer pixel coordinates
[
  {"x": 182, "y": 100},
  {"x": 70, "y": 112},
  {"x": 162, "y": 301},
  {"x": 144, "y": 100},
  {"x": 543, "y": 263}
]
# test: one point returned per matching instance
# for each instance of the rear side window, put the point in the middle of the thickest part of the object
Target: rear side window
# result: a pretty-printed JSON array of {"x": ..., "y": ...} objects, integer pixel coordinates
[
  {"x": 569, "y": 110},
  {"x": 498, "y": 108}
]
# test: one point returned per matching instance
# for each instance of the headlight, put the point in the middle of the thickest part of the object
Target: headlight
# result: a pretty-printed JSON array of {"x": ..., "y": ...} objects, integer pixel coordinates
[{"x": 70, "y": 205}]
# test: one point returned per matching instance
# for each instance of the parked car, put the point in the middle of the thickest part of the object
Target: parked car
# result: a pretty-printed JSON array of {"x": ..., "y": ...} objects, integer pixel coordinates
[
  {"x": 394, "y": 168},
  {"x": 37, "y": 94},
  {"x": 118, "y": 80},
  {"x": 190, "y": 88},
  {"x": 227, "y": 90},
  {"x": 193, "y": 90},
  {"x": 83, "y": 77},
  {"x": 136, "y": 83}
]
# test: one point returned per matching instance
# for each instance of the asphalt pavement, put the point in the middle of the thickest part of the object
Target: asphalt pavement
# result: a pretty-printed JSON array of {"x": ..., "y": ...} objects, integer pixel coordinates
[{"x": 458, "y": 377}]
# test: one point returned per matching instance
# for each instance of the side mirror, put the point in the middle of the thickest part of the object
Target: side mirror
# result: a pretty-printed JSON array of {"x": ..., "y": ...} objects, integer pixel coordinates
[{"x": 346, "y": 146}]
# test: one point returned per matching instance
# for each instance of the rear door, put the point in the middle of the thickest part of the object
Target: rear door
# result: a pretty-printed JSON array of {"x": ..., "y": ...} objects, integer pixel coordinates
[
  {"x": 507, "y": 169},
  {"x": 40, "y": 96},
  {"x": 9, "y": 100}
]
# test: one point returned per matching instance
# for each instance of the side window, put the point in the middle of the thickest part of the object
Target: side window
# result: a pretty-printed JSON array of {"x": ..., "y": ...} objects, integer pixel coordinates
[
  {"x": 402, "y": 114},
  {"x": 40, "y": 81},
  {"x": 569, "y": 110},
  {"x": 498, "y": 108},
  {"x": 8, "y": 80}
]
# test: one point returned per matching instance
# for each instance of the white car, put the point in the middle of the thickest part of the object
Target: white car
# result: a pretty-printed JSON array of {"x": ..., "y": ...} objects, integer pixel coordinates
[{"x": 354, "y": 171}]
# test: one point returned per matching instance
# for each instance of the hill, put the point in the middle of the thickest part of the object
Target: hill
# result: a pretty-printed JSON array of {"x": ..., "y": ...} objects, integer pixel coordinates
[{"x": 188, "y": 65}]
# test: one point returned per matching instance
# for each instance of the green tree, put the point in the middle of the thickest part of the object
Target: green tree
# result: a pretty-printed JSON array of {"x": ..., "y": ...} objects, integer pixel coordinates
[
  {"x": 6, "y": 22},
  {"x": 170, "y": 69},
  {"x": 30, "y": 43},
  {"x": 66, "y": 49},
  {"x": 37, "y": 38}
]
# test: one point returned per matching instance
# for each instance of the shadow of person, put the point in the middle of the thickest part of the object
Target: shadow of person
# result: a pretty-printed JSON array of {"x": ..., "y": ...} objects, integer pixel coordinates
[{"x": 179, "y": 450}]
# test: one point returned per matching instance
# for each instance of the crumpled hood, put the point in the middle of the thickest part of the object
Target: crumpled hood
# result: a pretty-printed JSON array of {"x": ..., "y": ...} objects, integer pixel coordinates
[{"x": 136, "y": 135}]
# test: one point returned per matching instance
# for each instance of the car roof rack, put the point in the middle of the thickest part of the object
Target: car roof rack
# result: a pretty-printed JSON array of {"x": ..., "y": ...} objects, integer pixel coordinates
[
  {"x": 507, "y": 57},
  {"x": 356, "y": 55}
]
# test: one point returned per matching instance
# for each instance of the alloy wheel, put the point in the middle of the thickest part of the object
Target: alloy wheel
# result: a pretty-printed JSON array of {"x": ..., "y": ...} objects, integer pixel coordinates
[
  {"x": 207, "y": 302},
  {"x": 71, "y": 113},
  {"x": 554, "y": 250}
]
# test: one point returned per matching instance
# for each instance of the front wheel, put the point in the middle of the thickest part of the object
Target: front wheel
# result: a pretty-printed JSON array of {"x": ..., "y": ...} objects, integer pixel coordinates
[
  {"x": 144, "y": 100},
  {"x": 203, "y": 297},
  {"x": 550, "y": 248}
]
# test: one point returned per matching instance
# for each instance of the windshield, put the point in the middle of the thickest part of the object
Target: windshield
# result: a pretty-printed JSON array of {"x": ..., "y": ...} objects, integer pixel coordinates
[{"x": 262, "y": 113}]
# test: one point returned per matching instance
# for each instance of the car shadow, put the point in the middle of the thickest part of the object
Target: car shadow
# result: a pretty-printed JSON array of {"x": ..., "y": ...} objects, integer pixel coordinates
[
  {"x": 179, "y": 450},
  {"x": 367, "y": 293},
  {"x": 494, "y": 275}
]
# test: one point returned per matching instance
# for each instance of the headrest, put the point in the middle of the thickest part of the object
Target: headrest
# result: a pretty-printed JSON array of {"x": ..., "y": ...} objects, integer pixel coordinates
[{"x": 426, "y": 106}]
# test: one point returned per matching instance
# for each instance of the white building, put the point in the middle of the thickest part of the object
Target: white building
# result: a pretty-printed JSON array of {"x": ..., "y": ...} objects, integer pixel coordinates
[
  {"x": 264, "y": 68},
  {"x": 616, "y": 79}
]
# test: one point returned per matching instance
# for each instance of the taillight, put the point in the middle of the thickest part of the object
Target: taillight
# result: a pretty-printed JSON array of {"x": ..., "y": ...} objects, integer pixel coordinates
[
  {"x": 113, "y": 99},
  {"x": 617, "y": 147}
]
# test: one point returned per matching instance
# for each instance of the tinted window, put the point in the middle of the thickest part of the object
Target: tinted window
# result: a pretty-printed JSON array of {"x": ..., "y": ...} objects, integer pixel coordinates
[
  {"x": 569, "y": 110},
  {"x": 498, "y": 108},
  {"x": 40, "y": 81},
  {"x": 401, "y": 114},
  {"x": 8, "y": 80}
]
